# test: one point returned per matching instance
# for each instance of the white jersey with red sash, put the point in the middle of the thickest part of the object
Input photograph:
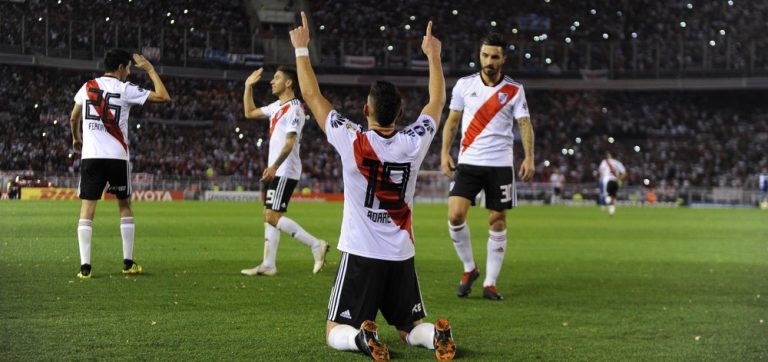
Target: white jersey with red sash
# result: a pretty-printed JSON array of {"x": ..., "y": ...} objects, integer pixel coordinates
[
  {"x": 379, "y": 185},
  {"x": 487, "y": 121},
  {"x": 284, "y": 119},
  {"x": 106, "y": 105},
  {"x": 610, "y": 169}
]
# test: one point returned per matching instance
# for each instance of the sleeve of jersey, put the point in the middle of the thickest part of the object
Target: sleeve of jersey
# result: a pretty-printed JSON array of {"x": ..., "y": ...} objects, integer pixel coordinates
[
  {"x": 135, "y": 94},
  {"x": 521, "y": 105},
  {"x": 457, "y": 98},
  {"x": 337, "y": 133},
  {"x": 296, "y": 117},
  {"x": 80, "y": 96},
  {"x": 424, "y": 128}
]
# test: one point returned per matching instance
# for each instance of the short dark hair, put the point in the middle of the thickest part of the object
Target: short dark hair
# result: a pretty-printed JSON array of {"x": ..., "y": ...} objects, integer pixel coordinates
[
  {"x": 386, "y": 102},
  {"x": 494, "y": 39},
  {"x": 290, "y": 72},
  {"x": 113, "y": 58}
]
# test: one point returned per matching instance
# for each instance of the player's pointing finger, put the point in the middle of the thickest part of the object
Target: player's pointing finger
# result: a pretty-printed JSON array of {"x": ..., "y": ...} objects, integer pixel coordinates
[
  {"x": 304, "y": 20},
  {"x": 429, "y": 28}
]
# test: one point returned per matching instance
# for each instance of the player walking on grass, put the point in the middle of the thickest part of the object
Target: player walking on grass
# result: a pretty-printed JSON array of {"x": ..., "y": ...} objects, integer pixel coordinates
[
  {"x": 487, "y": 103},
  {"x": 380, "y": 165},
  {"x": 286, "y": 120},
  {"x": 103, "y": 105},
  {"x": 612, "y": 173}
]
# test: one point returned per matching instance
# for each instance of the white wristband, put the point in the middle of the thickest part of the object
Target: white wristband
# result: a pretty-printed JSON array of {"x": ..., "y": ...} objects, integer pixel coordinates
[{"x": 302, "y": 52}]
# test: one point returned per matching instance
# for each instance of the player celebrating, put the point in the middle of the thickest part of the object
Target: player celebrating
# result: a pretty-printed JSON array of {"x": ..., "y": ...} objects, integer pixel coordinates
[
  {"x": 487, "y": 103},
  {"x": 104, "y": 105},
  {"x": 380, "y": 165},
  {"x": 611, "y": 172},
  {"x": 286, "y": 116}
]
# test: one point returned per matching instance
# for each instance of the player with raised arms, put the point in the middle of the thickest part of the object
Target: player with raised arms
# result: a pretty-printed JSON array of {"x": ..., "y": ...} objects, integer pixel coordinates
[
  {"x": 380, "y": 165},
  {"x": 103, "y": 105},
  {"x": 286, "y": 120}
]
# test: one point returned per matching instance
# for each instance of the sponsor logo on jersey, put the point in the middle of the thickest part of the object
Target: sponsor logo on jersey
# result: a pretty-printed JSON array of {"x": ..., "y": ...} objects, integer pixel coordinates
[
  {"x": 379, "y": 217},
  {"x": 345, "y": 314},
  {"x": 503, "y": 97}
]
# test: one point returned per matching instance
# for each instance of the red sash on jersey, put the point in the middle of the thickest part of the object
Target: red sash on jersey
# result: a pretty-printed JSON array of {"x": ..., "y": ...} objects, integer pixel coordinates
[
  {"x": 363, "y": 149},
  {"x": 111, "y": 124},
  {"x": 277, "y": 115},
  {"x": 610, "y": 168},
  {"x": 486, "y": 112}
]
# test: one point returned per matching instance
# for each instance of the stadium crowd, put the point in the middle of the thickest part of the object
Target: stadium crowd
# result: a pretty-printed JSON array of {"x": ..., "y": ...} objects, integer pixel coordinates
[
  {"x": 674, "y": 138},
  {"x": 548, "y": 36}
]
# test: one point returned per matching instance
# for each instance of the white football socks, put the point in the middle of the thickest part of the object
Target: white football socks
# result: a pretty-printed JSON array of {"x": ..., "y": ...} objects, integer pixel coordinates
[
  {"x": 295, "y": 230},
  {"x": 422, "y": 336},
  {"x": 342, "y": 338},
  {"x": 84, "y": 233},
  {"x": 127, "y": 229},
  {"x": 497, "y": 248},
  {"x": 271, "y": 242},
  {"x": 461, "y": 241}
]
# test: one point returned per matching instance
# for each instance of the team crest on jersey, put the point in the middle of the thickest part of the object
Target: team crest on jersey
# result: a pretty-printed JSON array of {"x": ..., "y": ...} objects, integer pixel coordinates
[{"x": 503, "y": 97}]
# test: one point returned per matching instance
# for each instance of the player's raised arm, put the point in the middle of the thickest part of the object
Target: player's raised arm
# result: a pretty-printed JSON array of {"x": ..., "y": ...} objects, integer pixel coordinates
[
  {"x": 431, "y": 47},
  {"x": 249, "y": 108},
  {"x": 160, "y": 94},
  {"x": 310, "y": 90}
]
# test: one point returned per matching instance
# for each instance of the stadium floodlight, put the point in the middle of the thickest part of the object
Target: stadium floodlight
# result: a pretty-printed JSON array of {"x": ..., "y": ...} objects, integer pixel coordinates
[
  {"x": 511, "y": 47},
  {"x": 168, "y": 14},
  {"x": 69, "y": 155},
  {"x": 493, "y": 23},
  {"x": 610, "y": 140},
  {"x": 192, "y": 29},
  {"x": 593, "y": 11},
  {"x": 646, "y": 182},
  {"x": 173, "y": 21},
  {"x": 576, "y": 23},
  {"x": 712, "y": 43},
  {"x": 138, "y": 126},
  {"x": 455, "y": 12},
  {"x": 637, "y": 148},
  {"x": 407, "y": 26},
  {"x": 40, "y": 19},
  {"x": 535, "y": 38},
  {"x": 578, "y": 140},
  {"x": 568, "y": 40},
  {"x": 240, "y": 136},
  {"x": 390, "y": 48},
  {"x": 619, "y": 13},
  {"x": 634, "y": 35},
  {"x": 55, "y": 121},
  {"x": 186, "y": 11},
  {"x": 564, "y": 151},
  {"x": 471, "y": 64},
  {"x": 107, "y": 19},
  {"x": 382, "y": 28},
  {"x": 689, "y": 6},
  {"x": 412, "y": 18},
  {"x": 546, "y": 163},
  {"x": 722, "y": 31},
  {"x": 682, "y": 24},
  {"x": 730, "y": 2},
  {"x": 527, "y": 55},
  {"x": 259, "y": 142},
  {"x": 237, "y": 130},
  {"x": 36, "y": 105},
  {"x": 514, "y": 30},
  {"x": 570, "y": 152},
  {"x": 548, "y": 61},
  {"x": 322, "y": 27},
  {"x": 43, "y": 134},
  {"x": 605, "y": 35}
]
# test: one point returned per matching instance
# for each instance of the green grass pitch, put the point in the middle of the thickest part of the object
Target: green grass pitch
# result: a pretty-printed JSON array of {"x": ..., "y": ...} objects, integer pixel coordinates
[{"x": 648, "y": 284}]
